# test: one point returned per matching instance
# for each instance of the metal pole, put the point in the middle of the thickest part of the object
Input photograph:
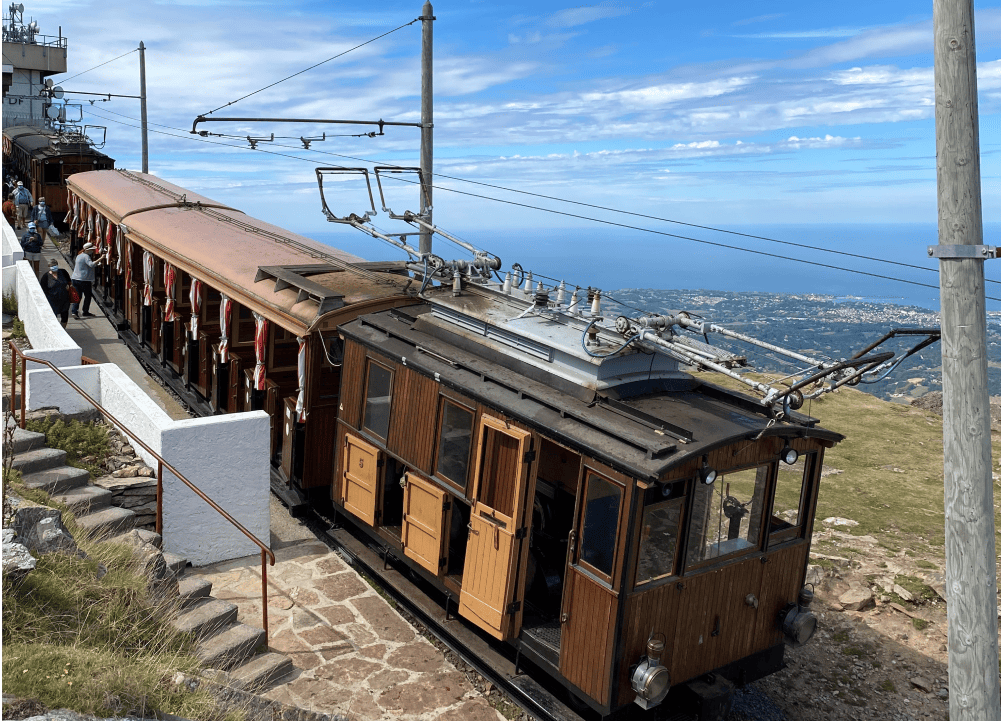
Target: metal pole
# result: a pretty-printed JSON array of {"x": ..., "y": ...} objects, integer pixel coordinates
[
  {"x": 142, "y": 104},
  {"x": 969, "y": 506},
  {"x": 427, "y": 119}
]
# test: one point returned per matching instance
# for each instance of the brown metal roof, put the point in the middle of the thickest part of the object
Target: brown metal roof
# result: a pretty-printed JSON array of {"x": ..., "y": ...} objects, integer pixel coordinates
[{"x": 225, "y": 248}]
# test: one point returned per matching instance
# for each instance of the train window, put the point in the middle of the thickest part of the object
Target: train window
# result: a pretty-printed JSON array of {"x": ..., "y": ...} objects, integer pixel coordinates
[
  {"x": 601, "y": 523},
  {"x": 455, "y": 435},
  {"x": 790, "y": 493},
  {"x": 52, "y": 174},
  {"x": 726, "y": 515},
  {"x": 377, "y": 399},
  {"x": 662, "y": 509}
]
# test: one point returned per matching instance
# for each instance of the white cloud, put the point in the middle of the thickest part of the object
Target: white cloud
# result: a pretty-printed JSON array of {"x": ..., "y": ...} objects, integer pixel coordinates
[{"x": 583, "y": 14}]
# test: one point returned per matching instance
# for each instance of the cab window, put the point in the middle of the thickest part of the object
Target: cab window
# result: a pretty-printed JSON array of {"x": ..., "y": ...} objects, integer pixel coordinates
[
  {"x": 663, "y": 505},
  {"x": 600, "y": 525},
  {"x": 726, "y": 515}
]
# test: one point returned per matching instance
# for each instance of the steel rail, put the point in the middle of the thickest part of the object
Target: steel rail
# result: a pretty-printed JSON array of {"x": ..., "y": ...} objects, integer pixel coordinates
[{"x": 266, "y": 553}]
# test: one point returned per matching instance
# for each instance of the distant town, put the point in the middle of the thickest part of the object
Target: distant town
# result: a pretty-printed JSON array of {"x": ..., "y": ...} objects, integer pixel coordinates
[{"x": 831, "y": 327}]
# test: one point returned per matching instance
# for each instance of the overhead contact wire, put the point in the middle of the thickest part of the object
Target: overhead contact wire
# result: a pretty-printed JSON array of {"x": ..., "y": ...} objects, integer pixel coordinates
[
  {"x": 390, "y": 32},
  {"x": 133, "y": 50}
]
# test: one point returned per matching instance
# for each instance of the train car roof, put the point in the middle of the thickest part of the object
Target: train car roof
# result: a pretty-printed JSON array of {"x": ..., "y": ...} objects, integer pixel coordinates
[
  {"x": 644, "y": 435},
  {"x": 291, "y": 279},
  {"x": 38, "y": 142}
]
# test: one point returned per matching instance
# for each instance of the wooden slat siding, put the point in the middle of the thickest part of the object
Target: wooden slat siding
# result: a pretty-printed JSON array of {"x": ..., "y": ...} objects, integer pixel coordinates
[
  {"x": 655, "y": 610},
  {"x": 318, "y": 456},
  {"x": 423, "y": 523},
  {"x": 288, "y": 429},
  {"x": 273, "y": 407},
  {"x": 352, "y": 383},
  {"x": 360, "y": 478},
  {"x": 587, "y": 639},
  {"x": 412, "y": 423},
  {"x": 155, "y": 319},
  {"x": 781, "y": 580}
]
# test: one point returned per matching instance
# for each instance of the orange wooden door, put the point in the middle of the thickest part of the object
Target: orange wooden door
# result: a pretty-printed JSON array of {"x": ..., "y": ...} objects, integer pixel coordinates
[
  {"x": 491, "y": 569},
  {"x": 425, "y": 507},
  {"x": 360, "y": 478}
]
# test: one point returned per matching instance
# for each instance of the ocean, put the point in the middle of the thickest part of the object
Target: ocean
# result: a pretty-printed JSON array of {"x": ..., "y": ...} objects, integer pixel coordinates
[{"x": 613, "y": 259}]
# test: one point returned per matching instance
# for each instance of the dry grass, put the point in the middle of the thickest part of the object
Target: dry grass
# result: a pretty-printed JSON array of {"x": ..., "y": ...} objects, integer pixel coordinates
[{"x": 84, "y": 634}]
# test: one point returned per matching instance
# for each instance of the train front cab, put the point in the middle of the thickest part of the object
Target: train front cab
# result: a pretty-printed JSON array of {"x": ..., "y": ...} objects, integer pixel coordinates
[{"x": 575, "y": 563}]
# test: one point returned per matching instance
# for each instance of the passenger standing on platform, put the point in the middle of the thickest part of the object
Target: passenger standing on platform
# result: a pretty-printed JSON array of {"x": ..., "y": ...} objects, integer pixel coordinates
[
  {"x": 10, "y": 212},
  {"x": 56, "y": 286},
  {"x": 42, "y": 216},
  {"x": 83, "y": 279},
  {"x": 22, "y": 202},
  {"x": 31, "y": 244}
]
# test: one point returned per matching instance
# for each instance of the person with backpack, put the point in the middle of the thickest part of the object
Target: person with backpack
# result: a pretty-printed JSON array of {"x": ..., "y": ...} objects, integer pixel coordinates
[
  {"x": 22, "y": 203},
  {"x": 41, "y": 214},
  {"x": 31, "y": 244},
  {"x": 56, "y": 286}
]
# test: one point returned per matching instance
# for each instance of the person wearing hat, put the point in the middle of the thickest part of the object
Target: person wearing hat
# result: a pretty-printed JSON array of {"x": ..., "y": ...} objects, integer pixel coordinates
[
  {"x": 31, "y": 244},
  {"x": 83, "y": 279},
  {"x": 56, "y": 285},
  {"x": 22, "y": 203},
  {"x": 41, "y": 214}
]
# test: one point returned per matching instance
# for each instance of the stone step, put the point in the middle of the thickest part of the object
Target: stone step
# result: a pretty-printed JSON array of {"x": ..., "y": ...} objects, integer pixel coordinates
[
  {"x": 206, "y": 617},
  {"x": 261, "y": 671},
  {"x": 85, "y": 499},
  {"x": 57, "y": 480},
  {"x": 108, "y": 521},
  {"x": 231, "y": 646},
  {"x": 175, "y": 564},
  {"x": 192, "y": 589},
  {"x": 25, "y": 440},
  {"x": 39, "y": 459},
  {"x": 144, "y": 536}
]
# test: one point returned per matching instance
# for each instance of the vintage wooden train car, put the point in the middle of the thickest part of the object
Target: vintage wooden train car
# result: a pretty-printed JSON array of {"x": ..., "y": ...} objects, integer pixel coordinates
[
  {"x": 625, "y": 525},
  {"x": 44, "y": 158}
]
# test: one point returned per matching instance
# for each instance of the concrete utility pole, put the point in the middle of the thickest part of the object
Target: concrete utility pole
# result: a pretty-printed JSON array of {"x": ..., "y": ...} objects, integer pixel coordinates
[
  {"x": 427, "y": 118},
  {"x": 969, "y": 497},
  {"x": 142, "y": 104}
]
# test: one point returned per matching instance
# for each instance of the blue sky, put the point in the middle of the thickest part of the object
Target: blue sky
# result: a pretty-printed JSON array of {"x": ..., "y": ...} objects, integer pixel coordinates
[{"x": 719, "y": 113}]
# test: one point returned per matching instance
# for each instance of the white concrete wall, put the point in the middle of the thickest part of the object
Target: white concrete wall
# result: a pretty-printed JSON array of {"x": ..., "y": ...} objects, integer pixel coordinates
[
  {"x": 47, "y": 390},
  {"x": 11, "y": 245},
  {"x": 227, "y": 457}
]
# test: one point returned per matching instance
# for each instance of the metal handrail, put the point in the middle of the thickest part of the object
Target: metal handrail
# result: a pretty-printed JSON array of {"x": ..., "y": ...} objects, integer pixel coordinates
[{"x": 266, "y": 553}]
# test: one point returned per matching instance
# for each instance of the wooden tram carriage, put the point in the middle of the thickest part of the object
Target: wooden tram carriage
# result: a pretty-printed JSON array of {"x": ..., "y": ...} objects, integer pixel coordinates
[
  {"x": 615, "y": 519},
  {"x": 44, "y": 159}
]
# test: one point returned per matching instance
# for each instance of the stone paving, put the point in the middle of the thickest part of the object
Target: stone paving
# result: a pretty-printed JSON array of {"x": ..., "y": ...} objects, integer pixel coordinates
[{"x": 353, "y": 653}]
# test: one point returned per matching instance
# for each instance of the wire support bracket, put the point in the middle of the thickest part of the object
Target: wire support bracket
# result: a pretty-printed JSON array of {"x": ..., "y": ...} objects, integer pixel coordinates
[{"x": 956, "y": 252}]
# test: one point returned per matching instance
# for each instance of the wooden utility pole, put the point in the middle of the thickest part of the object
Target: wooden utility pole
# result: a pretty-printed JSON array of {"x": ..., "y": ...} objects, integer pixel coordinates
[
  {"x": 142, "y": 105},
  {"x": 969, "y": 496},
  {"x": 427, "y": 119}
]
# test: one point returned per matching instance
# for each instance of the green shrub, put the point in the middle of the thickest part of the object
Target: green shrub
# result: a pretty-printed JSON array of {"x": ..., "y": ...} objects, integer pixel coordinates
[
  {"x": 10, "y": 303},
  {"x": 80, "y": 441},
  {"x": 17, "y": 329}
]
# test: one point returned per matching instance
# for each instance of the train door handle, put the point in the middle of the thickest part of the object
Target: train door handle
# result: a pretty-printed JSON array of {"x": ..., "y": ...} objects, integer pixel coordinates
[{"x": 716, "y": 628}]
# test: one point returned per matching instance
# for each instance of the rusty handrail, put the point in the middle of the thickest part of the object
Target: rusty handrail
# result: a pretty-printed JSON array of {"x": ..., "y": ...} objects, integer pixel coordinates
[{"x": 266, "y": 553}]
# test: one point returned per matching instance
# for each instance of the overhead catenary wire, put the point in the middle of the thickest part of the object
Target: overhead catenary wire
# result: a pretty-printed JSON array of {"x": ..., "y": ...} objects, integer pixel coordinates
[
  {"x": 361, "y": 45},
  {"x": 133, "y": 50},
  {"x": 578, "y": 216}
]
